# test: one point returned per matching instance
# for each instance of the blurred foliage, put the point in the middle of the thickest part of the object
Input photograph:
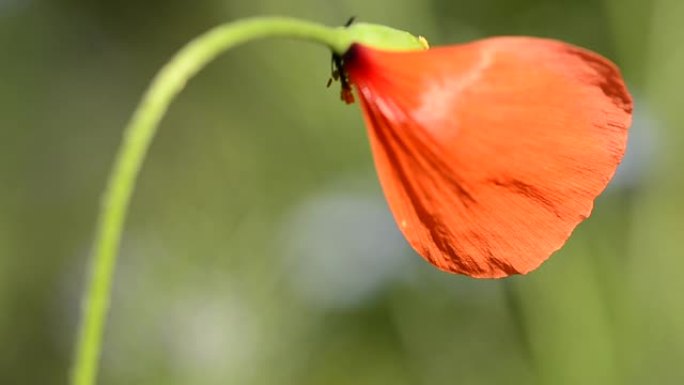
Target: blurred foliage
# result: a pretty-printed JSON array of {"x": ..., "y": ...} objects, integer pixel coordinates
[{"x": 210, "y": 288}]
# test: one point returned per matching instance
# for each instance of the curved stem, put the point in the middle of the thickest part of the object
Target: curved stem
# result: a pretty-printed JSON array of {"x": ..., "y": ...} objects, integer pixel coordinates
[{"x": 136, "y": 141}]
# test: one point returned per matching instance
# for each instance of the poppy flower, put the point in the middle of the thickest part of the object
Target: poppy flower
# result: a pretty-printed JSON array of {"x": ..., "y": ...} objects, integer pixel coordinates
[{"x": 490, "y": 153}]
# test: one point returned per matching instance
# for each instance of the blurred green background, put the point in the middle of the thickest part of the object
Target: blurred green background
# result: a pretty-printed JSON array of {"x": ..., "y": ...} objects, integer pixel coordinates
[{"x": 259, "y": 249}]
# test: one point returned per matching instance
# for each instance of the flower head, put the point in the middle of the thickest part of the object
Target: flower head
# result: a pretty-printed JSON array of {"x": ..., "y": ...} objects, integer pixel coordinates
[{"x": 490, "y": 153}]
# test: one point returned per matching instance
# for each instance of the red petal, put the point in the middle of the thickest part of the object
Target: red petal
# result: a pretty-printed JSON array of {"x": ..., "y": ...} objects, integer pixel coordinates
[{"x": 491, "y": 153}]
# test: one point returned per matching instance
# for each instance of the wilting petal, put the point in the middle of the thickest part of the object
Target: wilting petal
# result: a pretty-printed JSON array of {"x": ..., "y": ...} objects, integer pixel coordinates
[{"x": 491, "y": 153}]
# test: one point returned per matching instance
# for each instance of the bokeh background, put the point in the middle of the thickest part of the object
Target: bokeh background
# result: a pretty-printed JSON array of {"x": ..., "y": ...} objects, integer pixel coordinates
[{"x": 259, "y": 249}]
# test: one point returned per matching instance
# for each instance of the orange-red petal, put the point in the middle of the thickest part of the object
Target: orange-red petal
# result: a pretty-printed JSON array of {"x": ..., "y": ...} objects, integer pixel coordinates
[{"x": 491, "y": 153}]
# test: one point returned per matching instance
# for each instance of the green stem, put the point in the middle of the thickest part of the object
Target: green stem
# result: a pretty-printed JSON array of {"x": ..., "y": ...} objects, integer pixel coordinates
[{"x": 136, "y": 141}]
